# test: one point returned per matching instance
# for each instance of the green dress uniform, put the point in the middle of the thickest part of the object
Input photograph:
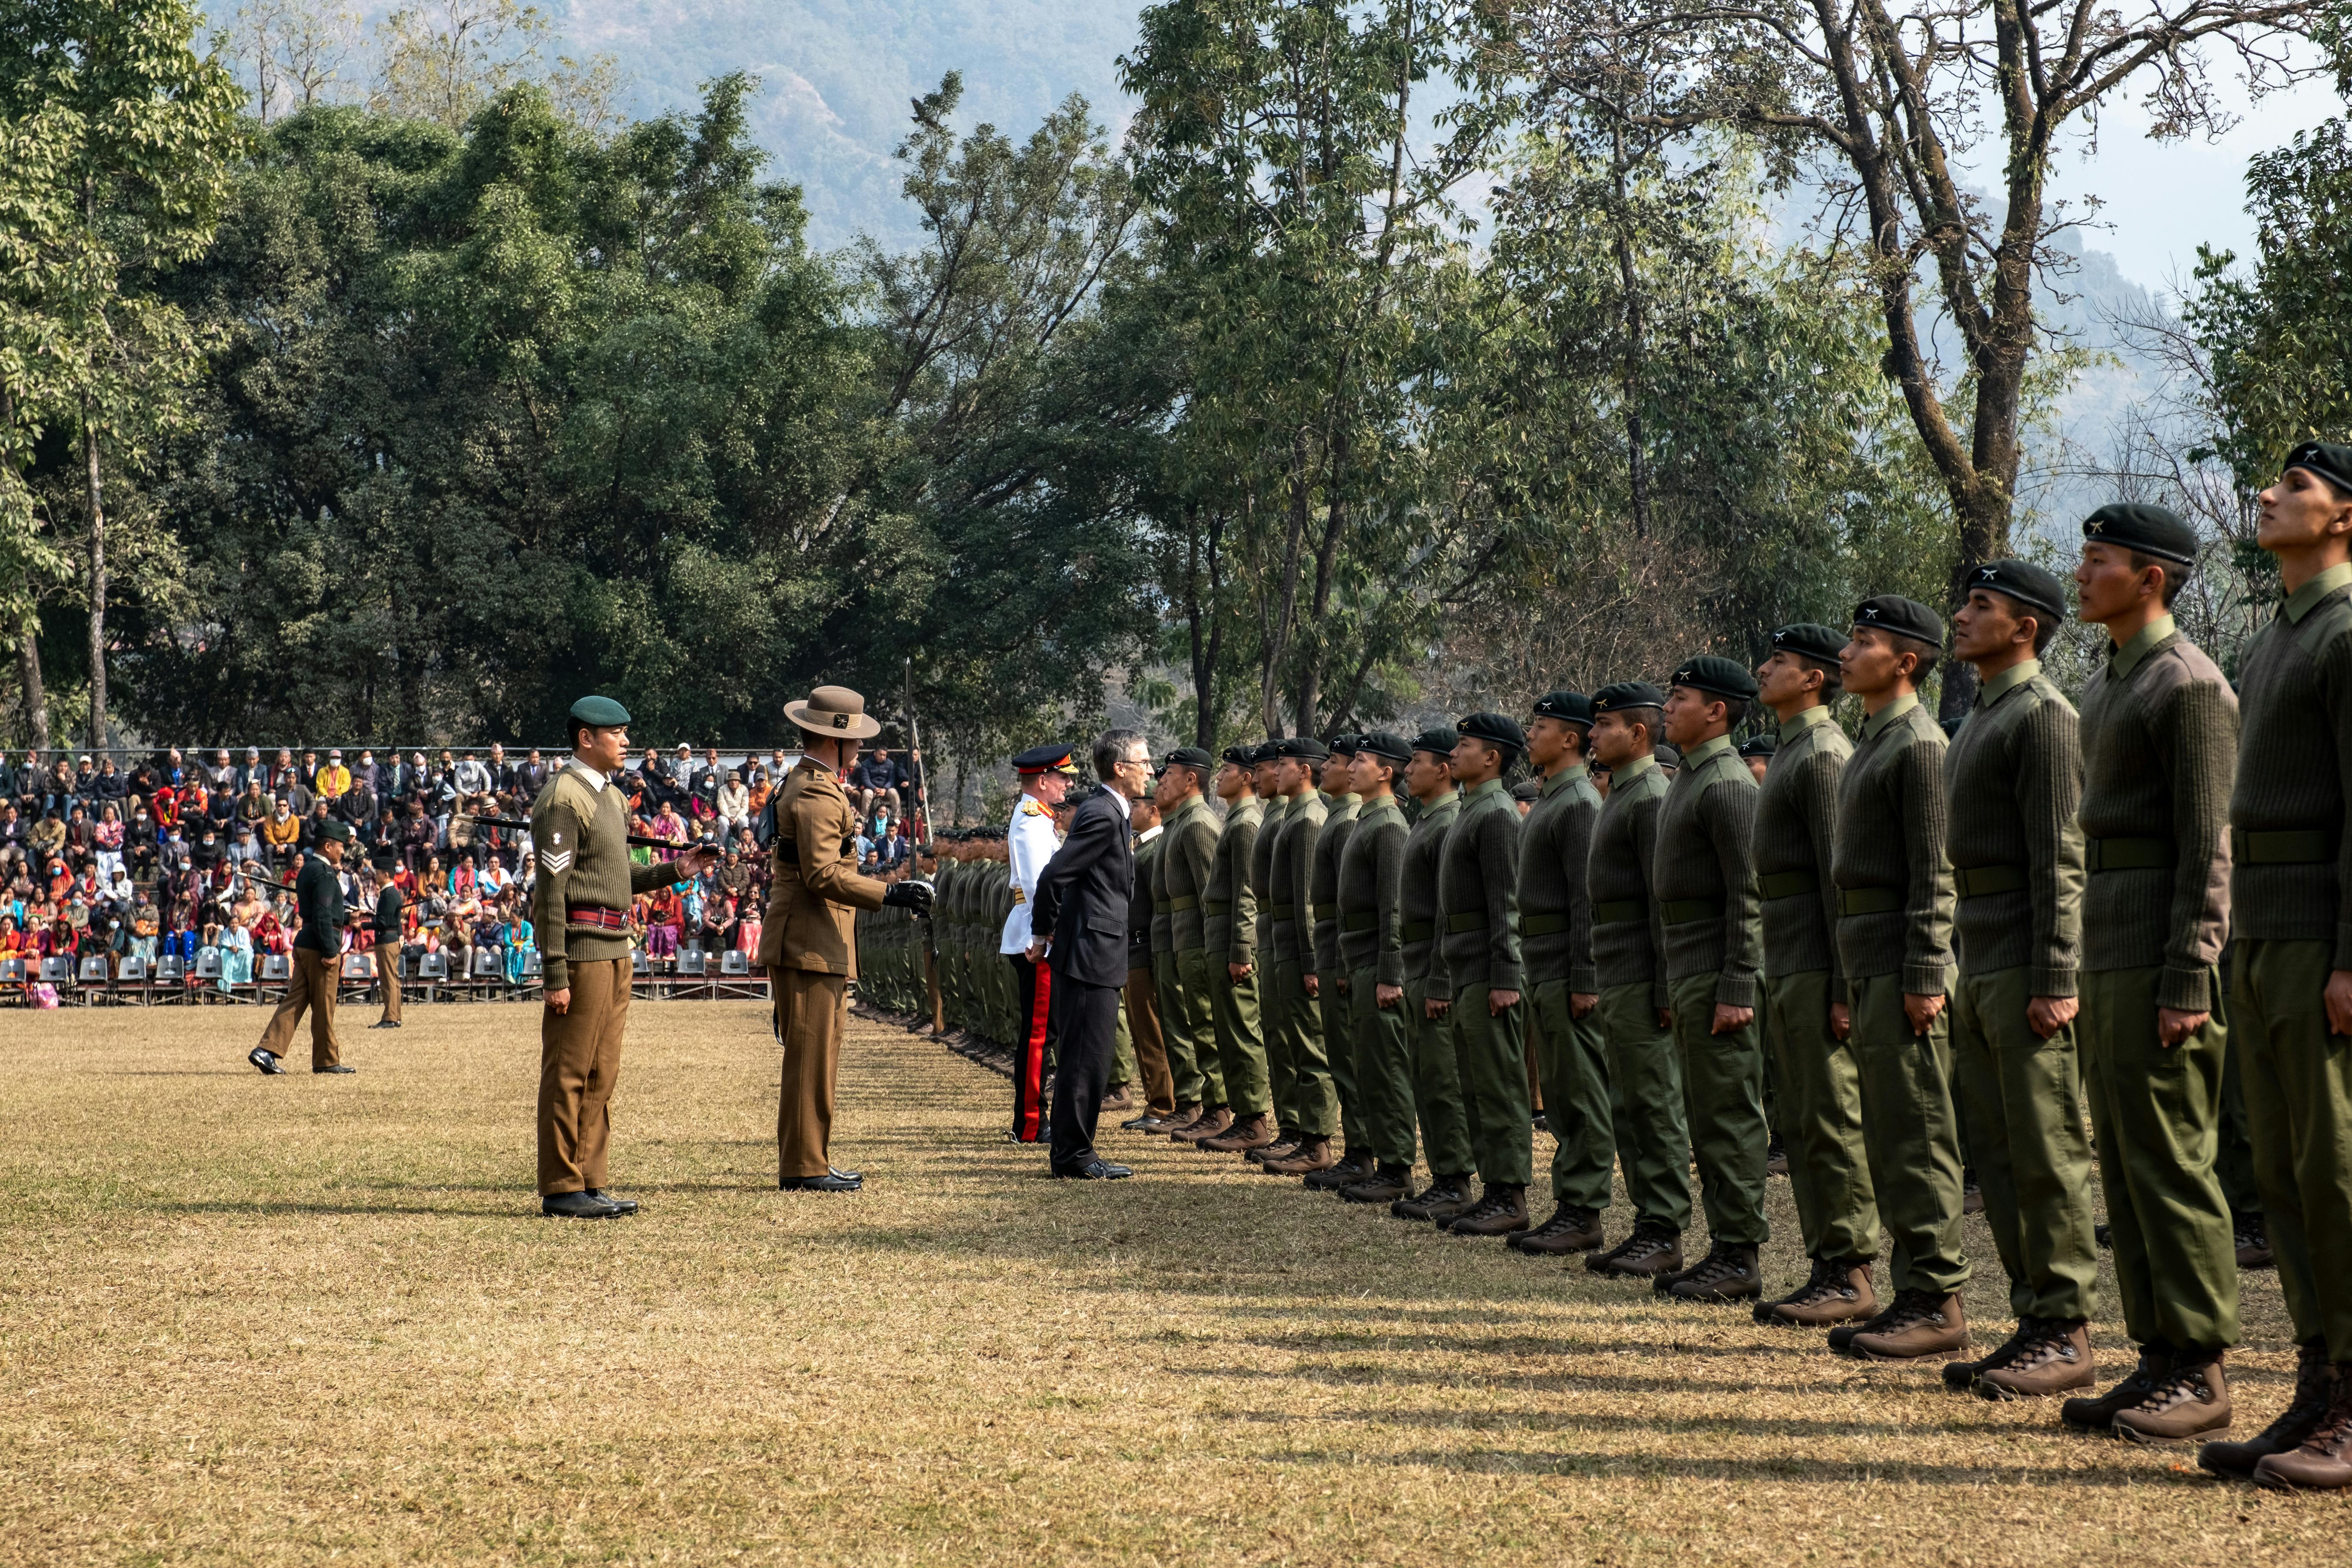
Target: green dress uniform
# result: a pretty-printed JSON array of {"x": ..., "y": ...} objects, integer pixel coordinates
[
  {"x": 1628, "y": 961},
  {"x": 1303, "y": 1096},
  {"x": 1229, "y": 928},
  {"x": 579, "y": 917},
  {"x": 1704, "y": 883},
  {"x": 1478, "y": 941},
  {"x": 1820, "y": 1077},
  {"x": 1894, "y": 936},
  {"x": 1332, "y": 1000},
  {"x": 1371, "y": 953},
  {"x": 1436, "y": 1078},
  {"x": 1181, "y": 874},
  {"x": 2160, "y": 732},
  {"x": 2290, "y": 870},
  {"x": 2012, "y": 780},
  {"x": 1556, "y": 953}
]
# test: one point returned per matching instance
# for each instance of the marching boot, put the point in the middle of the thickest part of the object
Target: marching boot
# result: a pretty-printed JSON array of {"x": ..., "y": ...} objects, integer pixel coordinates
[
  {"x": 2046, "y": 1356},
  {"x": 1214, "y": 1122},
  {"x": 1919, "y": 1323},
  {"x": 1250, "y": 1132},
  {"x": 1351, "y": 1167},
  {"x": 1313, "y": 1153},
  {"x": 1285, "y": 1144},
  {"x": 1727, "y": 1273},
  {"x": 1442, "y": 1200},
  {"x": 1649, "y": 1251},
  {"x": 2252, "y": 1238},
  {"x": 2099, "y": 1415},
  {"x": 1836, "y": 1291},
  {"x": 1503, "y": 1210},
  {"x": 2192, "y": 1401},
  {"x": 2315, "y": 1385},
  {"x": 1183, "y": 1116},
  {"x": 2322, "y": 1462},
  {"x": 1386, "y": 1185},
  {"x": 1570, "y": 1230}
]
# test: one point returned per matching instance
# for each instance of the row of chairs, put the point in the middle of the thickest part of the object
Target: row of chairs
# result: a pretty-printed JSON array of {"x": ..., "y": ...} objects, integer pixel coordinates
[{"x": 172, "y": 978}]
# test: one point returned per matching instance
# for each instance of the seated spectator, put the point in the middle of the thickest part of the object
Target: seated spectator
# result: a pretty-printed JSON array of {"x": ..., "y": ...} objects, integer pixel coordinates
[
  {"x": 80, "y": 843},
  {"x": 709, "y": 779},
  {"x": 208, "y": 851},
  {"x": 877, "y": 779},
  {"x": 472, "y": 778},
  {"x": 734, "y": 804},
  {"x": 236, "y": 954},
  {"x": 314, "y": 824},
  {"x": 251, "y": 771},
  {"x": 333, "y": 779},
  {"x": 282, "y": 834},
  {"x": 663, "y": 919},
  {"x": 47, "y": 839},
  {"x": 667, "y": 825},
  {"x": 244, "y": 851},
  {"x": 517, "y": 940}
]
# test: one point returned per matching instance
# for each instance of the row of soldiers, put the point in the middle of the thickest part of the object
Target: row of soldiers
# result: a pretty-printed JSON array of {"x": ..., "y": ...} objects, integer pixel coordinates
[{"x": 1937, "y": 942}]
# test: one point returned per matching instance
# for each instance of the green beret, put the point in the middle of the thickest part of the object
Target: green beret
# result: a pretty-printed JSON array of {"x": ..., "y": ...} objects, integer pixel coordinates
[
  {"x": 2145, "y": 530},
  {"x": 1810, "y": 639},
  {"x": 1266, "y": 752},
  {"x": 1386, "y": 745},
  {"x": 600, "y": 713},
  {"x": 2023, "y": 581},
  {"x": 1569, "y": 707},
  {"x": 1527, "y": 789},
  {"x": 1499, "y": 728},
  {"x": 1303, "y": 748},
  {"x": 2328, "y": 460},
  {"x": 336, "y": 830},
  {"x": 1240, "y": 756},
  {"x": 1622, "y": 694},
  {"x": 1903, "y": 617},
  {"x": 1437, "y": 740},
  {"x": 1344, "y": 745},
  {"x": 1761, "y": 746},
  {"x": 1716, "y": 675},
  {"x": 1192, "y": 757}
]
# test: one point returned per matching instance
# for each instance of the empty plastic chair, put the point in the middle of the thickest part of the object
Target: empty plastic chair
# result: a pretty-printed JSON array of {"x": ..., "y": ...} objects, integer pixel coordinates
[{"x": 734, "y": 962}]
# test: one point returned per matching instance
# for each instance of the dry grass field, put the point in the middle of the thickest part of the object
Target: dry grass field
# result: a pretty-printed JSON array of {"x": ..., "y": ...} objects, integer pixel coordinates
[{"x": 244, "y": 1321}]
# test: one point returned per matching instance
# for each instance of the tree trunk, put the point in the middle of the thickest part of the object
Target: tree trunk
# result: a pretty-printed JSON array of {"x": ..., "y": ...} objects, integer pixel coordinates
[
  {"x": 97, "y": 585},
  {"x": 28, "y": 668},
  {"x": 1637, "y": 467}
]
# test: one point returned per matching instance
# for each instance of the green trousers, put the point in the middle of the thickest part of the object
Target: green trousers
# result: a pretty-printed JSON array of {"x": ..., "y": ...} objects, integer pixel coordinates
[
  {"x": 1490, "y": 1052},
  {"x": 1186, "y": 1010},
  {"x": 1572, "y": 1064},
  {"x": 1332, "y": 1008},
  {"x": 1241, "y": 1041},
  {"x": 2021, "y": 1098},
  {"x": 2156, "y": 1112},
  {"x": 2298, "y": 1082},
  {"x": 1910, "y": 1133},
  {"x": 1437, "y": 1090},
  {"x": 2234, "y": 1161},
  {"x": 1296, "y": 1057},
  {"x": 1646, "y": 1076},
  {"x": 1723, "y": 1107},
  {"x": 1383, "y": 1073},
  {"x": 1820, "y": 1111},
  {"x": 1123, "y": 1067}
]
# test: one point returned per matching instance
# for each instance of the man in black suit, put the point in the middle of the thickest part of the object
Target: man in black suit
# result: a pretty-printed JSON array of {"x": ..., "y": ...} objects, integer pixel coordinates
[{"x": 1082, "y": 900}]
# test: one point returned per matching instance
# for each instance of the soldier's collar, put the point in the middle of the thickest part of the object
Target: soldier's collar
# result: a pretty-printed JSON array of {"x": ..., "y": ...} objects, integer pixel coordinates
[
  {"x": 2007, "y": 681},
  {"x": 1803, "y": 720},
  {"x": 597, "y": 781},
  {"x": 1704, "y": 751},
  {"x": 1875, "y": 725},
  {"x": 2122, "y": 661},
  {"x": 1150, "y": 833},
  {"x": 2301, "y": 602},
  {"x": 1626, "y": 773}
]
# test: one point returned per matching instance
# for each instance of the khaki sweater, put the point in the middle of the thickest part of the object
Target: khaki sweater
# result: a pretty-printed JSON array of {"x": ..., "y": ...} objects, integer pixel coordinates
[{"x": 580, "y": 834}]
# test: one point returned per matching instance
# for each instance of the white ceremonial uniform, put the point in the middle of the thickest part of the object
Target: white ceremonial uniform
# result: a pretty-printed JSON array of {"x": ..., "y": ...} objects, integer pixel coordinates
[{"x": 1029, "y": 842}]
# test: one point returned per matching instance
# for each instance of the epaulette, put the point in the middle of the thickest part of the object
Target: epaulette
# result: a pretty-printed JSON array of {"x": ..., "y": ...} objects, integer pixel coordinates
[{"x": 1031, "y": 808}]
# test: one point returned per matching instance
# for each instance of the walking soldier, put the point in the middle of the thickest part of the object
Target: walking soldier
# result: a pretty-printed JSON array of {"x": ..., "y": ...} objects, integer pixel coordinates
[
  {"x": 318, "y": 950},
  {"x": 580, "y": 917}
]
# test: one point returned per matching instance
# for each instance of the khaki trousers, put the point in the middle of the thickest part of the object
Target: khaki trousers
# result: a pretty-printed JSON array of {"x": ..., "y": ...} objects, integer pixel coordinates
[
  {"x": 387, "y": 978},
  {"x": 313, "y": 988},
  {"x": 1143, "y": 1024},
  {"x": 578, "y": 1066},
  {"x": 812, "y": 1010}
]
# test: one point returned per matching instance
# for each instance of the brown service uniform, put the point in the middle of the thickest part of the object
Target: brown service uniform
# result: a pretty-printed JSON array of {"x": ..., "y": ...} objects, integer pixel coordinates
[{"x": 810, "y": 951}]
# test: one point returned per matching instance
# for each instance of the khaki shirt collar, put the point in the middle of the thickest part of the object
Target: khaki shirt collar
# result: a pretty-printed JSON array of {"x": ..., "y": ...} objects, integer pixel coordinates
[
  {"x": 1620, "y": 777},
  {"x": 1150, "y": 833},
  {"x": 1875, "y": 725},
  {"x": 1803, "y": 720},
  {"x": 2007, "y": 681},
  {"x": 1561, "y": 780},
  {"x": 597, "y": 781},
  {"x": 2299, "y": 603},
  {"x": 1492, "y": 786},
  {"x": 1706, "y": 752},
  {"x": 2122, "y": 661}
]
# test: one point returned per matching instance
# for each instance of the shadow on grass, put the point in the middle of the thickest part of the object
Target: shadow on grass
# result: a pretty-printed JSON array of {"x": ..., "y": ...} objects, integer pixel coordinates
[
  {"x": 1787, "y": 1468},
  {"x": 518, "y": 1210}
]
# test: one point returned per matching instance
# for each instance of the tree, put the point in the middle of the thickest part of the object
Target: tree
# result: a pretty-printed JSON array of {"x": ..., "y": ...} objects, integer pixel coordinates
[
  {"x": 444, "y": 60},
  {"x": 146, "y": 131},
  {"x": 1884, "y": 103}
]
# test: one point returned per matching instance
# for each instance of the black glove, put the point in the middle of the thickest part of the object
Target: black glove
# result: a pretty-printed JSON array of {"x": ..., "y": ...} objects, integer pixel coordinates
[{"x": 915, "y": 896}]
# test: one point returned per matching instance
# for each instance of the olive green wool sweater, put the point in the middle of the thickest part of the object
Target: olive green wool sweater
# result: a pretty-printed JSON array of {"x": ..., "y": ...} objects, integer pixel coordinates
[
  {"x": 2293, "y": 859},
  {"x": 1629, "y": 942},
  {"x": 2012, "y": 780},
  {"x": 1372, "y": 882},
  {"x": 1704, "y": 873},
  {"x": 1796, "y": 840},
  {"x": 1417, "y": 891},
  {"x": 1554, "y": 906},
  {"x": 1478, "y": 895},
  {"x": 1890, "y": 852}
]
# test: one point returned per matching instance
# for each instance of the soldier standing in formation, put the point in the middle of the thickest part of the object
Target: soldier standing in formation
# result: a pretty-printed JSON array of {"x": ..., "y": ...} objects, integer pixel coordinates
[
  {"x": 1327, "y": 980},
  {"x": 1436, "y": 1078},
  {"x": 1371, "y": 957},
  {"x": 1229, "y": 926},
  {"x": 1303, "y": 1098},
  {"x": 1142, "y": 1050},
  {"x": 1181, "y": 874}
]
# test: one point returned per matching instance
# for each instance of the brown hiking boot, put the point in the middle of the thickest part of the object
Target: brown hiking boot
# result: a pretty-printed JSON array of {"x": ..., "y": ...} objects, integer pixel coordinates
[
  {"x": 1919, "y": 1323},
  {"x": 1727, "y": 1273},
  {"x": 1214, "y": 1121},
  {"x": 2099, "y": 1415},
  {"x": 1776, "y": 1161},
  {"x": 2322, "y": 1462},
  {"x": 2193, "y": 1401},
  {"x": 1837, "y": 1291},
  {"x": 1250, "y": 1132},
  {"x": 1350, "y": 1168},
  {"x": 2253, "y": 1239},
  {"x": 1503, "y": 1210},
  {"x": 2315, "y": 1385},
  {"x": 2046, "y": 1356},
  {"x": 1649, "y": 1251},
  {"x": 1313, "y": 1153},
  {"x": 1183, "y": 1116},
  {"x": 1117, "y": 1101},
  {"x": 1569, "y": 1230},
  {"x": 1386, "y": 1185},
  {"x": 1285, "y": 1144},
  {"x": 1445, "y": 1197}
]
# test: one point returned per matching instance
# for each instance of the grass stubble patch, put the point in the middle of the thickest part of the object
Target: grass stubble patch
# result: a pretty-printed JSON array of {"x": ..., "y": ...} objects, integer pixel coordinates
[{"x": 247, "y": 1320}]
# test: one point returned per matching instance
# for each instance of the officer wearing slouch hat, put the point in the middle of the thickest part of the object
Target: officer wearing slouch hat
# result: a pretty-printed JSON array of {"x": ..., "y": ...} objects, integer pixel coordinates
[
  {"x": 810, "y": 944},
  {"x": 580, "y": 918},
  {"x": 1030, "y": 841}
]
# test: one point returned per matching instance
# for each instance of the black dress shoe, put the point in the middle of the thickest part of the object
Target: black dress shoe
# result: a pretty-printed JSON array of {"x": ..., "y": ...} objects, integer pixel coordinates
[
  {"x": 620, "y": 1205},
  {"x": 577, "y": 1206},
  {"x": 1095, "y": 1171},
  {"x": 385, "y": 1024},
  {"x": 337, "y": 1067},
  {"x": 857, "y": 1176},
  {"x": 831, "y": 1182},
  {"x": 265, "y": 1061}
]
